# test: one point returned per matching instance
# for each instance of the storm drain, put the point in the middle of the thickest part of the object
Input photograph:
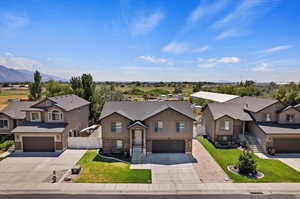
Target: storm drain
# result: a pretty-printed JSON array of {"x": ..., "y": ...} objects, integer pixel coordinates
[{"x": 256, "y": 192}]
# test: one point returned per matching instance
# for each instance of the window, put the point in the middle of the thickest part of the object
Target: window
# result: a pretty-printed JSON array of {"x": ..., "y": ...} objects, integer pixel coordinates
[
  {"x": 4, "y": 124},
  {"x": 116, "y": 127},
  {"x": 268, "y": 117},
  {"x": 117, "y": 144},
  {"x": 159, "y": 126},
  {"x": 55, "y": 115},
  {"x": 179, "y": 126},
  {"x": 290, "y": 117},
  {"x": 224, "y": 138},
  {"x": 35, "y": 116},
  {"x": 225, "y": 125}
]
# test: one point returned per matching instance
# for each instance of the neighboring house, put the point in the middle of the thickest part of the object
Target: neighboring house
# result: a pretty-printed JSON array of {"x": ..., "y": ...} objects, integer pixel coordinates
[
  {"x": 273, "y": 125},
  {"x": 50, "y": 122},
  {"x": 156, "y": 127},
  {"x": 12, "y": 115}
]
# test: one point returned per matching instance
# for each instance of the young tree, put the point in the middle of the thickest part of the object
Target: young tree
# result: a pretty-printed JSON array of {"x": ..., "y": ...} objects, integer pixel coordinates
[
  {"x": 246, "y": 163},
  {"x": 35, "y": 88}
]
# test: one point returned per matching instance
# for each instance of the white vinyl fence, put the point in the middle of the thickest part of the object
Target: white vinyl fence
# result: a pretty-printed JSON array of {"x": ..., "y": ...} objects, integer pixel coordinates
[{"x": 84, "y": 143}]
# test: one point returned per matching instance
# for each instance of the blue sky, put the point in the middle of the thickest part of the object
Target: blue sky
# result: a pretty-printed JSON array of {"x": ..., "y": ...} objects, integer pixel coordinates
[{"x": 153, "y": 40}]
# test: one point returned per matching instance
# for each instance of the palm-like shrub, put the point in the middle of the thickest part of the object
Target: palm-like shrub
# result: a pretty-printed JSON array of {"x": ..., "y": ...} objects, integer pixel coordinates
[{"x": 246, "y": 163}]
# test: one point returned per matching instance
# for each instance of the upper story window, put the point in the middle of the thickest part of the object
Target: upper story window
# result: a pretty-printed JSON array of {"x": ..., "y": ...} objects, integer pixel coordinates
[
  {"x": 290, "y": 117},
  {"x": 179, "y": 126},
  {"x": 159, "y": 125},
  {"x": 55, "y": 115},
  {"x": 116, "y": 127},
  {"x": 225, "y": 125},
  {"x": 35, "y": 116},
  {"x": 3, "y": 124},
  {"x": 268, "y": 117}
]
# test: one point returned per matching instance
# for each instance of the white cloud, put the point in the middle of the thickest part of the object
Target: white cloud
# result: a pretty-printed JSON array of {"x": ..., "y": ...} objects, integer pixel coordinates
[
  {"x": 277, "y": 48},
  {"x": 175, "y": 47},
  {"x": 19, "y": 62},
  {"x": 226, "y": 34},
  {"x": 264, "y": 67},
  {"x": 144, "y": 24},
  {"x": 206, "y": 10},
  {"x": 241, "y": 14},
  {"x": 13, "y": 20},
  {"x": 221, "y": 60},
  {"x": 153, "y": 59},
  {"x": 213, "y": 62},
  {"x": 201, "y": 49}
]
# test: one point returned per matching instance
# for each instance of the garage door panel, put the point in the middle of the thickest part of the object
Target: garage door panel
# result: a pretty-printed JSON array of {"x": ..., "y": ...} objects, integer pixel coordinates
[
  {"x": 38, "y": 144},
  {"x": 168, "y": 146},
  {"x": 287, "y": 145}
]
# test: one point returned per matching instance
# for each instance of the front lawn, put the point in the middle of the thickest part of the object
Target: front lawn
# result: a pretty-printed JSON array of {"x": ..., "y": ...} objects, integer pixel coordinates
[
  {"x": 274, "y": 170},
  {"x": 100, "y": 170}
]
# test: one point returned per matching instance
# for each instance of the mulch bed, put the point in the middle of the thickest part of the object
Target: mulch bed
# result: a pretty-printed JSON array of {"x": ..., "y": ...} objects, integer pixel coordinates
[{"x": 236, "y": 171}]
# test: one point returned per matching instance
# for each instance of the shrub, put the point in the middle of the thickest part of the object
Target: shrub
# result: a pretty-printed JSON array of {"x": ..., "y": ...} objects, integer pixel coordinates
[
  {"x": 246, "y": 164},
  {"x": 6, "y": 144}
]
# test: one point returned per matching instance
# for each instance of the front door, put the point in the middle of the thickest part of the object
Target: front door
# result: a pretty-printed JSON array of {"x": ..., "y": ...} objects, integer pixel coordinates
[{"x": 138, "y": 137}]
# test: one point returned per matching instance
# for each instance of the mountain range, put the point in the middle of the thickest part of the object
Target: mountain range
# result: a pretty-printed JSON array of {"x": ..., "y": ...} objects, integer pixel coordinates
[{"x": 21, "y": 75}]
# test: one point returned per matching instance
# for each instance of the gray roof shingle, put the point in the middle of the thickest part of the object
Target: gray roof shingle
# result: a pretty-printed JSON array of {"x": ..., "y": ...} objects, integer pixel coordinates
[
  {"x": 142, "y": 110},
  {"x": 276, "y": 128},
  {"x": 14, "y": 109},
  {"x": 254, "y": 104},
  {"x": 69, "y": 102},
  {"x": 234, "y": 110},
  {"x": 39, "y": 127}
]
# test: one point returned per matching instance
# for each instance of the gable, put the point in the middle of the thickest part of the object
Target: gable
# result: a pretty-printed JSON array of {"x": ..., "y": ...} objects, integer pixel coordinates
[{"x": 43, "y": 104}]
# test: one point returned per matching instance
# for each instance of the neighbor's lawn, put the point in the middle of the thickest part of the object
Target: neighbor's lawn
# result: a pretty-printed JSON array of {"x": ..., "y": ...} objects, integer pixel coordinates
[
  {"x": 100, "y": 170},
  {"x": 274, "y": 170}
]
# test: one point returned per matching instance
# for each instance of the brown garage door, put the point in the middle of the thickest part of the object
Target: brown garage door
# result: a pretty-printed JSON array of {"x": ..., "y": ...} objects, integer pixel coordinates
[
  {"x": 168, "y": 146},
  {"x": 38, "y": 144},
  {"x": 287, "y": 145}
]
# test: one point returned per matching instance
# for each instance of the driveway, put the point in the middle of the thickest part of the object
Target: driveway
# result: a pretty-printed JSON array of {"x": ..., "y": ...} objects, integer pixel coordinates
[
  {"x": 206, "y": 167},
  {"x": 167, "y": 168},
  {"x": 36, "y": 167},
  {"x": 293, "y": 160}
]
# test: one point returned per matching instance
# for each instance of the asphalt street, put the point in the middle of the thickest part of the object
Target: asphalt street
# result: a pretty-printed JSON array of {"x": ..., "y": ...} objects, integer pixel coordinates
[{"x": 202, "y": 196}]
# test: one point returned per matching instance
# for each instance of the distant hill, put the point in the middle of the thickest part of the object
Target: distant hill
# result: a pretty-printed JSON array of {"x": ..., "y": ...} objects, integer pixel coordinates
[{"x": 18, "y": 75}]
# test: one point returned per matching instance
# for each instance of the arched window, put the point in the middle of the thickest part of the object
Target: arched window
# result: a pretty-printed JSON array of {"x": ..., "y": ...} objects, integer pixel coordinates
[{"x": 56, "y": 115}]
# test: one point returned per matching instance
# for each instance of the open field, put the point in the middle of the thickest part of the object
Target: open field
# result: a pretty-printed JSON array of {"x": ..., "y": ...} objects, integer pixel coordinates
[
  {"x": 274, "y": 170},
  {"x": 6, "y": 94},
  {"x": 100, "y": 170}
]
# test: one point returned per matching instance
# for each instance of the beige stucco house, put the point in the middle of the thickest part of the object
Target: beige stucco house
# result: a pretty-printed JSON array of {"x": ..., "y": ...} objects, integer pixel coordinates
[
  {"x": 273, "y": 125},
  {"x": 47, "y": 124},
  {"x": 155, "y": 127}
]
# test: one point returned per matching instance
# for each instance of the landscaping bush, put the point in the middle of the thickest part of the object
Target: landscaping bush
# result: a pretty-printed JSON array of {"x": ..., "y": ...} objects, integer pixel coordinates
[
  {"x": 246, "y": 163},
  {"x": 6, "y": 144}
]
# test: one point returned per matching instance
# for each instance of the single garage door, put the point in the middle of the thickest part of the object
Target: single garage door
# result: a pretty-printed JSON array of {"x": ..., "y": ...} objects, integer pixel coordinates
[
  {"x": 287, "y": 145},
  {"x": 168, "y": 146},
  {"x": 38, "y": 144}
]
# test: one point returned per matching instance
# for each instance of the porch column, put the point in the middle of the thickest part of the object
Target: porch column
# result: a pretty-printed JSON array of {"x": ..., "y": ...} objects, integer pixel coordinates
[
  {"x": 244, "y": 128},
  {"x": 144, "y": 141},
  {"x": 130, "y": 142}
]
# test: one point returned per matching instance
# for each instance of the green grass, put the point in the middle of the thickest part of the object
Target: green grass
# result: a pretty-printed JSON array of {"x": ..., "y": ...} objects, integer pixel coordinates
[
  {"x": 100, "y": 170},
  {"x": 274, "y": 170}
]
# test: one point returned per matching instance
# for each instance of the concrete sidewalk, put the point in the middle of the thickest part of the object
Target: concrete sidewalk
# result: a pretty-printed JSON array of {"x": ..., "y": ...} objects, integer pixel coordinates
[{"x": 204, "y": 188}]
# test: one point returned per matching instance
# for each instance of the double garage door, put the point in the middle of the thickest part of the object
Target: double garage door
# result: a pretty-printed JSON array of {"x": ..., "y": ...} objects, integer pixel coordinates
[
  {"x": 287, "y": 145},
  {"x": 38, "y": 144},
  {"x": 168, "y": 146}
]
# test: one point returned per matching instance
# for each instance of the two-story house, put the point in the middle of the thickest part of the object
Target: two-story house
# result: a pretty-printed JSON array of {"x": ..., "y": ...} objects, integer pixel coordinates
[
  {"x": 273, "y": 125},
  {"x": 155, "y": 127},
  {"x": 12, "y": 115},
  {"x": 50, "y": 122}
]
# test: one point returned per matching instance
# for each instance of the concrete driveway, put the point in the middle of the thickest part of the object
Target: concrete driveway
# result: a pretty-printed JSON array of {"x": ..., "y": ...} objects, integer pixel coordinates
[
  {"x": 170, "y": 168},
  {"x": 291, "y": 159},
  {"x": 36, "y": 167}
]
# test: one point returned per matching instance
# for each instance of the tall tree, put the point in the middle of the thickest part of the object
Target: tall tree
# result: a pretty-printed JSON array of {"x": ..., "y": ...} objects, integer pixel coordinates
[
  {"x": 88, "y": 86},
  {"x": 35, "y": 88},
  {"x": 76, "y": 85},
  {"x": 54, "y": 88}
]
